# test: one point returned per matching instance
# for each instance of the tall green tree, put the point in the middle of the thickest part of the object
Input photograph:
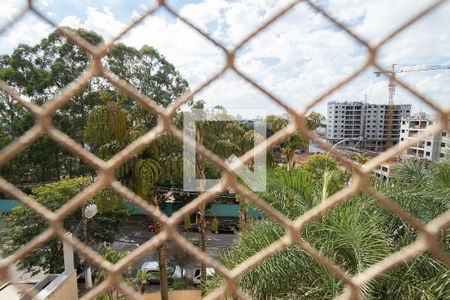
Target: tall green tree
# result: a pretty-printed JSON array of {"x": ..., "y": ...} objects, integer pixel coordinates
[
  {"x": 325, "y": 173},
  {"x": 23, "y": 224},
  {"x": 355, "y": 235},
  {"x": 110, "y": 128},
  {"x": 40, "y": 71},
  {"x": 225, "y": 137},
  {"x": 295, "y": 141}
]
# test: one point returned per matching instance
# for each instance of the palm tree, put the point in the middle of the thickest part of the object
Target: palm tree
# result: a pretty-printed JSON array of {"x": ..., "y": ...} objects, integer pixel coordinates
[
  {"x": 355, "y": 235},
  {"x": 295, "y": 141},
  {"x": 344, "y": 235},
  {"x": 422, "y": 188},
  {"x": 224, "y": 138},
  {"x": 238, "y": 139},
  {"x": 109, "y": 129}
]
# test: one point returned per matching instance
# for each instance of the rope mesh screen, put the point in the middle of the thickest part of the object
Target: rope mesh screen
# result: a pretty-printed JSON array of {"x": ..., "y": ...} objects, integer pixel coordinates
[{"x": 427, "y": 233}]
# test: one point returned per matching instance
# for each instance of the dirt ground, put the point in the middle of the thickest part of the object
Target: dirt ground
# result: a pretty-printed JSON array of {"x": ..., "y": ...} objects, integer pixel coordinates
[{"x": 177, "y": 295}]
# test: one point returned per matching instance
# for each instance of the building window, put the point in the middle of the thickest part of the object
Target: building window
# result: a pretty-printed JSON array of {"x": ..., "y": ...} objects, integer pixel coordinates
[
  {"x": 441, "y": 155},
  {"x": 444, "y": 133},
  {"x": 428, "y": 153},
  {"x": 402, "y": 139},
  {"x": 403, "y": 122},
  {"x": 442, "y": 145},
  {"x": 403, "y": 130},
  {"x": 428, "y": 143}
]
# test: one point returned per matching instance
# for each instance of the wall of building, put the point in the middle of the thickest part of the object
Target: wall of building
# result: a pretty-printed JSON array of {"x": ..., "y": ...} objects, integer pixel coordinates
[
  {"x": 214, "y": 209},
  {"x": 63, "y": 287},
  {"x": 363, "y": 124},
  {"x": 432, "y": 148}
]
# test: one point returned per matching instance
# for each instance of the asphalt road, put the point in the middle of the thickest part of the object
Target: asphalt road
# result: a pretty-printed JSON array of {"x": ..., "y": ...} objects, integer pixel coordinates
[{"x": 134, "y": 234}]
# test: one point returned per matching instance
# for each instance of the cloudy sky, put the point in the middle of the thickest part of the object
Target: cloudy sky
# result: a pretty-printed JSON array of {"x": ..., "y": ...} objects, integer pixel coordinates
[{"x": 297, "y": 58}]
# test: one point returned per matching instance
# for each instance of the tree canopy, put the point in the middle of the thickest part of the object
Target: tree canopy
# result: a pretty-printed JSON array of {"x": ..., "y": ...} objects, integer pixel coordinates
[
  {"x": 354, "y": 235},
  {"x": 40, "y": 71},
  {"x": 24, "y": 224}
]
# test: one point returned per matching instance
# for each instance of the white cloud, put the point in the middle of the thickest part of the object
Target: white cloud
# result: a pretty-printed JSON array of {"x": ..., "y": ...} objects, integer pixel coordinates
[
  {"x": 204, "y": 13},
  {"x": 101, "y": 21},
  {"x": 71, "y": 21},
  {"x": 297, "y": 58},
  {"x": 28, "y": 30},
  {"x": 9, "y": 9}
]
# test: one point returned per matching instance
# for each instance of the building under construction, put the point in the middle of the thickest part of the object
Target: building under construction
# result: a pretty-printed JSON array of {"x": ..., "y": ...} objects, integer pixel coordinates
[{"x": 363, "y": 125}]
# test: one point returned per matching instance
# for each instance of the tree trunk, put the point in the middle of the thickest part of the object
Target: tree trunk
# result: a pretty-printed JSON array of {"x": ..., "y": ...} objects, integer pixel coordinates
[
  {"x": 87, "y": 267},
  {"x": 202, "y": 230},
  {"x": 290, "y": 158},
  {"x": 242, "y": 214},
  {"x": 163, "y": 277},
  {"x": 200, "y": 174}
]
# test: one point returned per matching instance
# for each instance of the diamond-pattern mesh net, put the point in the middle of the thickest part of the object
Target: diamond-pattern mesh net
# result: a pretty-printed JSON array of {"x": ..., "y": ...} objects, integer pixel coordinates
[{"x": 427, "y": 233}]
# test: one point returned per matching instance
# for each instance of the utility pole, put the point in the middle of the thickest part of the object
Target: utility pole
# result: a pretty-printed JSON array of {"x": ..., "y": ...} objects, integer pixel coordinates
[{"x": 87, "y": 212}]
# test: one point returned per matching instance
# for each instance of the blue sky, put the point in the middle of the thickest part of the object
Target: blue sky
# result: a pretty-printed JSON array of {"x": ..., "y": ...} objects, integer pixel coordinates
[{"x": 297, "y": 58}]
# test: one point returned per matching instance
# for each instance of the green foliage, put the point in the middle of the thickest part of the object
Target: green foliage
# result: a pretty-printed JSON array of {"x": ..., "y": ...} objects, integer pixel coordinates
[
  {"x": 314, "y": 119},
  {"x": 106, "y": 123},
  {"x": 39, "y": 71},
  {"x": 359, "y": 158},
  {"x": 214, "y": 225},
  {"x": 187, "y": 222},
  {"x": 140, "y": 280},
  {"x": 179, "y": 284},
  {"x": 295, "y": 141},
  {"x": 224, "y": 138},
  {"x": 146, "y": 174},
  {"x": 324, "y": 172},
  {"x": 24, "y": 224},
  {"x": 112, "y": 256},
  {"x": 317, "y": 164},
  {"x": 354, "y": 235}
]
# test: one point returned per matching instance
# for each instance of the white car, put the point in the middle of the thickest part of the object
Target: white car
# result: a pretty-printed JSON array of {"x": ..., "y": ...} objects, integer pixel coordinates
[
  {"x": 196, "y": 278},
  {"x": 152, "y": 267}
]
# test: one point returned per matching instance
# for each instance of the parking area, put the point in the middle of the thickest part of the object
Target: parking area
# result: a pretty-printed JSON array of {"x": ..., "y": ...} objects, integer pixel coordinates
[{"x": 136, "y": 232}]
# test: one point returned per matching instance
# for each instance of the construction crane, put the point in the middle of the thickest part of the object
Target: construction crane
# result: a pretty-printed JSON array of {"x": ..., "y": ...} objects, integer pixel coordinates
[{"x": 391, "y": 88}]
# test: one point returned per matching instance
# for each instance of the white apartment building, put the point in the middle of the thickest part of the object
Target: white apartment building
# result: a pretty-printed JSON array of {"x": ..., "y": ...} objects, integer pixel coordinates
[
  {"x": 363, "y": 125},
  {"x": 386, "y": 170},
  {"x": 433, "y": 147}
]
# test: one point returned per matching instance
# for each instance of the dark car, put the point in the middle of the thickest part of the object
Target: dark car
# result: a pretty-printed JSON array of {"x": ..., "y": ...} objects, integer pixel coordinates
[
  {"x": 193, "y": 228},
  {"x": 228, "y": 226}
]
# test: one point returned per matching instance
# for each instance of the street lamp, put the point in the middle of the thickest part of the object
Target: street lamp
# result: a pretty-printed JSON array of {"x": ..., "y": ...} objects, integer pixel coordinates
[{"x": 88, "y": 212}]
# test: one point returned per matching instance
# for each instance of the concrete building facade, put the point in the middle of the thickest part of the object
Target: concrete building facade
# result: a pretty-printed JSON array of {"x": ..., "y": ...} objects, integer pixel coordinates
[
  {"x": 433, "y": 147},
  {"x": 386, "y": 170},
  {"x": 363, "y": 125}
]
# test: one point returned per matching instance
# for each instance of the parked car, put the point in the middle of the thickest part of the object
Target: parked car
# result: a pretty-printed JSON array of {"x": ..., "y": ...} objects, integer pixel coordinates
[
  {"x": 196, "y": 278},
  {"x": 152, "y": 267},
  {"x": 193, "y": 228},
  {"x": 228, "y": 226}
]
